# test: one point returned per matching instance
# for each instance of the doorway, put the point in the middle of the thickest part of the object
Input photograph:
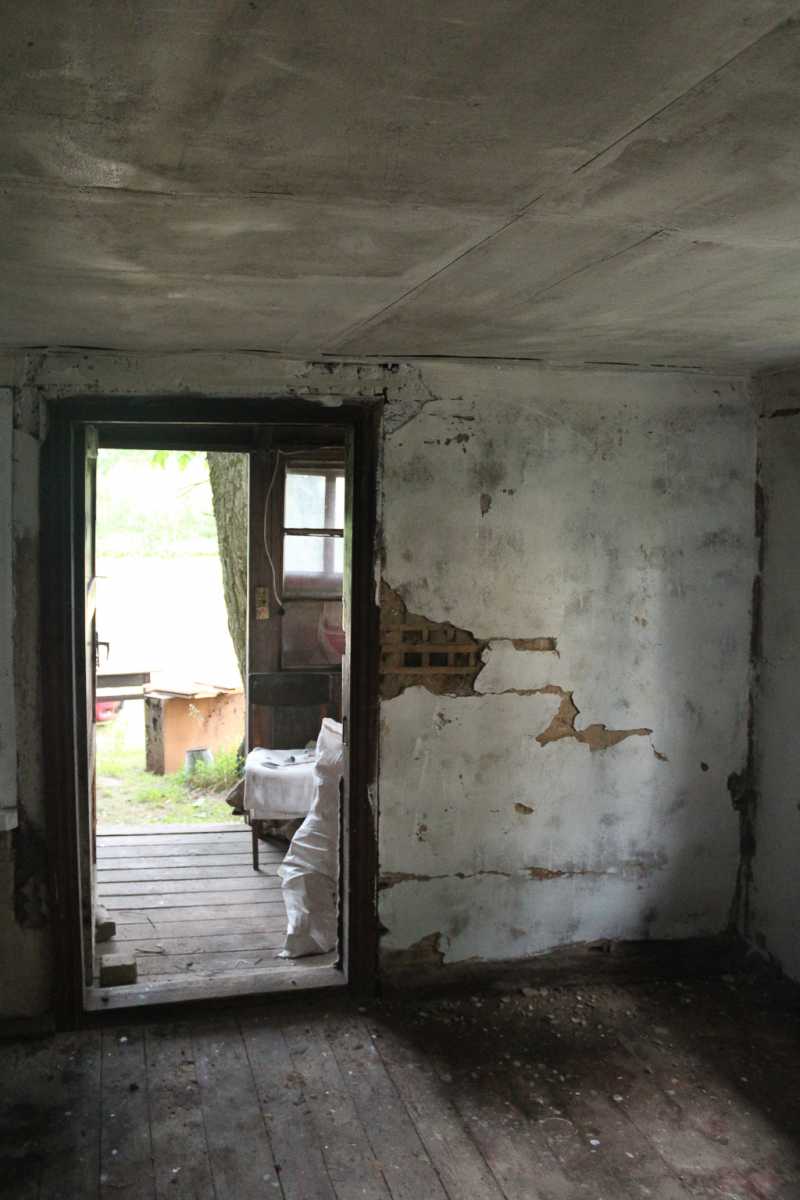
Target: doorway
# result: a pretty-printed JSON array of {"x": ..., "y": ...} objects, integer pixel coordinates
[{"x": 311, "y": 660}]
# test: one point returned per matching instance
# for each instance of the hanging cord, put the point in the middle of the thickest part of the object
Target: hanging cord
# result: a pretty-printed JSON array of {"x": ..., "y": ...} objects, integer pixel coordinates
[{"x": 278, "y": 455}]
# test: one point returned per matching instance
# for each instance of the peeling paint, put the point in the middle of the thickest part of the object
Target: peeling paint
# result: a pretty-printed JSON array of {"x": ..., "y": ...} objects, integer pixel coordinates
[
  {"x": 596, "y": 737},
  {"x": 427, "y": 952}
]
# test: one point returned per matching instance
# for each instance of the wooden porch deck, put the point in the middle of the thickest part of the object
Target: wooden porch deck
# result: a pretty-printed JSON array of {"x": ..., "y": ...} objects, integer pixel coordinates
[{"x": 199, "y": 920}]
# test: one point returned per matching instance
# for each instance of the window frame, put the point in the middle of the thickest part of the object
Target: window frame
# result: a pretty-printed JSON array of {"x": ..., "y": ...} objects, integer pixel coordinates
[{"x": 302, "y": 586}]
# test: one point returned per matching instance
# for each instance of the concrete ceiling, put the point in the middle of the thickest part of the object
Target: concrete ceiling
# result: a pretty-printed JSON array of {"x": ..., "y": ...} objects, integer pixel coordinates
[{"x": 558, "y": 179}]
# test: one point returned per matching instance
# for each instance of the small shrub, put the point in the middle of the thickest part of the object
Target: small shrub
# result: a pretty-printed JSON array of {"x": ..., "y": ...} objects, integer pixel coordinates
[{"x": 216, "y": 776}]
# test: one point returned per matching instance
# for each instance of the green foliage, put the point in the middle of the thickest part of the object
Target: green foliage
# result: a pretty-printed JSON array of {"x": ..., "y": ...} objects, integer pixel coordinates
[
  {"x": 154, "y": 504},
  {"x": 216, "y": 776},
  {"x": 160, "y": 458},
  {"x": 127, "y": 794}
]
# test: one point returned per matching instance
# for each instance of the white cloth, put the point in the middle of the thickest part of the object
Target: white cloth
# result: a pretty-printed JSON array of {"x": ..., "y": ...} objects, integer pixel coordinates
[
  {"x": 310, "y": 869},
  {"x": 280, "y": 793}
]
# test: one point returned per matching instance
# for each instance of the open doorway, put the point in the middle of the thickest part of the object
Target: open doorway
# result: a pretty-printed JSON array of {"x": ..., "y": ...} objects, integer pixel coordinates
[{"x": 195, "y": 865}]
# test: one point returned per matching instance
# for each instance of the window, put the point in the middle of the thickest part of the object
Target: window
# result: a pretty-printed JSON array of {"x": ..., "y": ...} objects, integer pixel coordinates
[
  {"x": 313, "y": 532},
  {"x": 313, "y": 562}
]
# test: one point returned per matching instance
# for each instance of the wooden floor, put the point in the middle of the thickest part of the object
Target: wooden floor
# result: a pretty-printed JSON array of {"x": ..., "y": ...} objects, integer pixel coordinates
[
  {"x": 671, "y": 1091},
  {"x": 196, "y": 916}
]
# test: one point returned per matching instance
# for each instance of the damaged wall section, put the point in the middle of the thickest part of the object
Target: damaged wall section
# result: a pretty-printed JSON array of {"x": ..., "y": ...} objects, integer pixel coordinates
[
  {"x": 575, "y": 787},
  {"x": 25, "y": 949},
  {"x": 774, "y": 912}
]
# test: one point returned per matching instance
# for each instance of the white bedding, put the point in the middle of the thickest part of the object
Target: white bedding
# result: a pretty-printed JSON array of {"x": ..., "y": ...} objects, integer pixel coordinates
[{"x": 278, "y": 793}]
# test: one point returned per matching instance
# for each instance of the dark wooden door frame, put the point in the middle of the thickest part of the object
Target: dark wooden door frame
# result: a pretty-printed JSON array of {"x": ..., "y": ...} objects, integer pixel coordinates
[{"x": 199, "y": 422}]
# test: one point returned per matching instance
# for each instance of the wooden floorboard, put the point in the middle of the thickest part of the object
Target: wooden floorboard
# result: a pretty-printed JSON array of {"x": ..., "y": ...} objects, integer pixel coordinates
[
  {"x": 668, "y": 1089},
  {"x": 196, "y": 912},
  {"x": 163, "y": 932},
  {"x": 239, "y": 1149},
  {"x": 189, "y": 906},
  {"x": 126, "y": 1149},
  {"x": 179, "y": 868}
]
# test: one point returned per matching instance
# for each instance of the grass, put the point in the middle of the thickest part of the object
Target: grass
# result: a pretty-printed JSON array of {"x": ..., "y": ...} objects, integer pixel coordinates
[{"x": 127, "y": 794}]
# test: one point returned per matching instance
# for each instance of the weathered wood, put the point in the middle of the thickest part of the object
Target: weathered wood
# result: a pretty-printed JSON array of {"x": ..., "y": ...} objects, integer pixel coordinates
[
  {"x": 240, "y": 1154},
  {"x": 70, "y": 1162},
  {"x": 181, "y": 1165},
  {"x": 207, "y": 887},
  {"x": 157, "y": 929},
  {"x": 238, "y": 900},
  {"x": 197, "y": 962},
  {"x": 125, "y": 1145},
  {"x": 110, "y": 856},
  {"x": 354, "y": 1169},
  {"x": 29, "y": 1091},
  {"x": 290, "y": 689},
  {"x": 296, "y": 1143},
  {"x": 174, "y": 868},
  {"x": 172, "y": 830},
  {"x": 460, "y": 1166},
  {"x": 182, "y": 843},
  {"x": 136, "y": 913},
  {"x": 208, "y": 944},
  {"x": 284, "y": 976},
  {"x": 395, "y": 1142}
]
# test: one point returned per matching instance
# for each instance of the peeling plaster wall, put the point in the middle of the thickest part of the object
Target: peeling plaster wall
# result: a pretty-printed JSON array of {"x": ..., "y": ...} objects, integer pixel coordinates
[
  {"x": 614, "y": 514},
  {"x": 25, "y": 950},
  {"x": 593, "y": 532},
  {"x": 774, "y": 917}
]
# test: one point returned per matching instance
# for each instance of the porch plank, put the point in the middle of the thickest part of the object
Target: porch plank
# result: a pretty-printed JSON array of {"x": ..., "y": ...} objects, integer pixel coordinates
[
  {"x": 158, "y": 930},
  {"x": 242, "y": 900},
  {"x": 198, "y": 964},
  {"x": 256, "y": 881},
  {"x": 137, "y": 874},
  {"x": 137, "y": 913}
]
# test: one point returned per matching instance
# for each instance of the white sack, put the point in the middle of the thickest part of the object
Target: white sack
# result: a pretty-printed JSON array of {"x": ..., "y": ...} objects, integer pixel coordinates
[{"x": 309, "y": 871}]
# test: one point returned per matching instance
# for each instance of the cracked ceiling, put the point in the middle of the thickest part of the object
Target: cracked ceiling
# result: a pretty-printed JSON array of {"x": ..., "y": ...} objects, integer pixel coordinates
[{"x": 574, "y": 183}]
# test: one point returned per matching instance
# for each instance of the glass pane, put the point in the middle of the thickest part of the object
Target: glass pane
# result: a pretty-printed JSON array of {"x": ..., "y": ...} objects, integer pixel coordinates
[
  {"x": 305, "y": 502},
  {"x": 303, "y": 555},
  {"x": 312, "y": 634},
  {"x": 313, "y": 565}
]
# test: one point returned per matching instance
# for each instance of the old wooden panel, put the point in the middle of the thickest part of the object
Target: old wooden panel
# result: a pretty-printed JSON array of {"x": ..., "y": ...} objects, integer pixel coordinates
[
  {"x": 354, "y": 1169},
  {"x": 295, "y": 1139},
  {"x": 126, "y": 1150},
  {"x": 181, "y": 1164},
  {"x": 239, "y": 1150},
  {"x": 392, "y": 1135}
]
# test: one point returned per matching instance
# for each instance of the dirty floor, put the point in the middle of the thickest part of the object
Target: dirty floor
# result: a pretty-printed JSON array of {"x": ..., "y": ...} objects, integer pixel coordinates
[{"x": 666, "y": 1090}]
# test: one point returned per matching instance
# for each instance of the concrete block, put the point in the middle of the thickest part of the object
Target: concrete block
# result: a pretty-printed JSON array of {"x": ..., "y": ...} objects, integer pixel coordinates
[
  {"x": 104, "y": 927},
  {"x": 116, "y": 969}
]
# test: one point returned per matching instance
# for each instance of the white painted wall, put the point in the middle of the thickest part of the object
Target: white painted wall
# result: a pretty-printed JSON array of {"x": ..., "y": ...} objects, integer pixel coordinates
[
  {"x": 621, "y": 524},
  {"x": 775, "y": 899}
]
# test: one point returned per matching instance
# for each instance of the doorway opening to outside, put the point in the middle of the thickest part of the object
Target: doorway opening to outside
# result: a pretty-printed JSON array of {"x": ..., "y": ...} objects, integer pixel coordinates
[{"x": 218, "y": 621}]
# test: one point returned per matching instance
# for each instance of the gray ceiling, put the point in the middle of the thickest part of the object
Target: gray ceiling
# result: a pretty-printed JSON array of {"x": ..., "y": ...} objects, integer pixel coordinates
[{"x": 564, "y": 179}]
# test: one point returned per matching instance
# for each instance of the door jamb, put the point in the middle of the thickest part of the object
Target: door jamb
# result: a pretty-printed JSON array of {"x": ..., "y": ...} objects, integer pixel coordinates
[{"x": 198, "y": 421}]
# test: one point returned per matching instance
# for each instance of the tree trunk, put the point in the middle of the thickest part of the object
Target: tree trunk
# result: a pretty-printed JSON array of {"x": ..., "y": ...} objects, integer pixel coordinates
[{"x": 228, "y": 475}]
